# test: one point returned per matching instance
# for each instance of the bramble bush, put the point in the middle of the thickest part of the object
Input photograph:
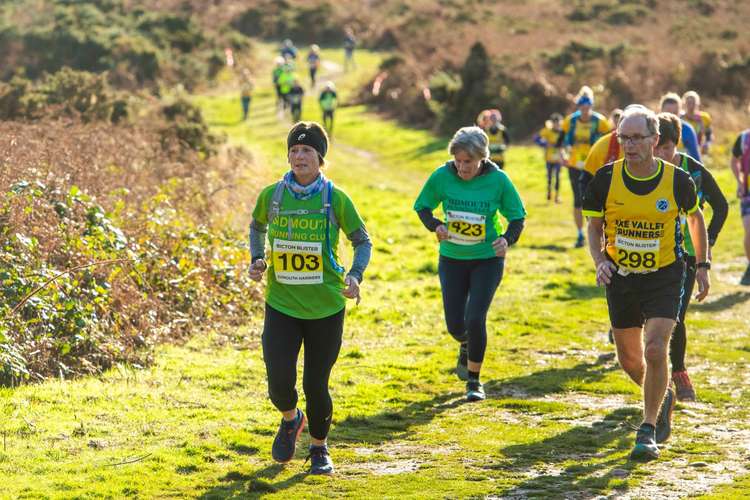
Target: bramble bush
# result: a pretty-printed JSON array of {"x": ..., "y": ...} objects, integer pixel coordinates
[{"x": 109, "y": 244}]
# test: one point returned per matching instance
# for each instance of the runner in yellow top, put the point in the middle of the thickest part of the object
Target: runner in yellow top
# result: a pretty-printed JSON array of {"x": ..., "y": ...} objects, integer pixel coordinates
[
  {"x": 636, "y": 204},
  {"x": 605, "y": 150},
  {"x": 580, "y": 130},
  {"x": 553, "y": 153},
  {"x": 700, "y": 120},
  {"x": 491, "y": 121}
]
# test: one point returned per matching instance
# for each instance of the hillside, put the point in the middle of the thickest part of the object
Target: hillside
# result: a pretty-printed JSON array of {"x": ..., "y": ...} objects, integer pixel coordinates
[{"x": 540, "y": 49}]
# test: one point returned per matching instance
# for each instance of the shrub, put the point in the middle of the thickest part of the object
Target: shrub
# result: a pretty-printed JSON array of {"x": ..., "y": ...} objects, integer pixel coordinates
[
  {"x": 67, "y": 93},
  {"x": 110, "y": 242}
]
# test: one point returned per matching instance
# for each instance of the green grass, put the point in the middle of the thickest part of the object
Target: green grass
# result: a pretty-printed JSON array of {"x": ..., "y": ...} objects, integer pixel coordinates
[{"x": 558, "y": 419}]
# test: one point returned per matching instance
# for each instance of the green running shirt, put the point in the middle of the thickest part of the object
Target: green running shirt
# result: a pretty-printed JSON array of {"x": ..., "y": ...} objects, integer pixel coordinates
[
  {"x": 301, "y": 281},
  {"x": 471, "y": 208}
]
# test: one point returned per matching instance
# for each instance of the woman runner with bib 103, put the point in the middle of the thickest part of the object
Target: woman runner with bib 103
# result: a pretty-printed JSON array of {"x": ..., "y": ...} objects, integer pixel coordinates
[
  {"x": 472, "y": 190},
  {"x": 307, "y": 287}
]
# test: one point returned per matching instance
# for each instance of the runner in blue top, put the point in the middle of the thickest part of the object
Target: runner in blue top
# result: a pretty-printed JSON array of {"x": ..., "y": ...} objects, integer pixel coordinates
[
  {"x": 672, "y": 103},
  {"x": 288, "y": 50}
]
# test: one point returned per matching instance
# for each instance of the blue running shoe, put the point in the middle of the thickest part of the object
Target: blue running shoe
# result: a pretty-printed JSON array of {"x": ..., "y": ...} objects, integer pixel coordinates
[
  {"x": 474, "y": 391},
  {"x": 645, "y": 448},
  {"x": 462, "y": 364},
  {"x": 285, "y": 441},
  {"x": 664, "y": 421},
  {"x": 320, "y": 460}
]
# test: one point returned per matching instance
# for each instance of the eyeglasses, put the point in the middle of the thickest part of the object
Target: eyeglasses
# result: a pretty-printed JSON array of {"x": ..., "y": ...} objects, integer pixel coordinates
[{"x": 633, "y": 139}]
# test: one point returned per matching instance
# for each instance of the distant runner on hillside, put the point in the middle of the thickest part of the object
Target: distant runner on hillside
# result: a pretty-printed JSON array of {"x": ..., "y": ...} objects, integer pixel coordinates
[
  {"x": 246, "y": 92},
  {"x": 278, "y": 69},
  {"x": 671, "y": 103},
  {"x": 328, "y": 103},
  {"x": 295, "y": 95},
  {"x": 698, "y": 119},
  {"x": 472, "y": 192},
  {"x": 288, "y": 50},
  {"x": 491, "y": 121},
  {"x": 605, "y": 150},
  {"x": 302, "y": 216},
  {"x": 350, "y": 43},
  {"x": 313, "y": 63},
  {"x": 553, "y": 154},
  {"x": 580, "y": 130},
  {"x": 286, "y": 81}
]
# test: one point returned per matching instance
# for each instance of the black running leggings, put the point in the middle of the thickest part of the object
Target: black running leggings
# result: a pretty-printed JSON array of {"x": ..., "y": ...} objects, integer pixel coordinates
[
  {"x": 678, "y": 342},
  {"x": 553, "y": 171},
  {"x": 468, "y": 287},
  {"x": 283, "y": 337}
]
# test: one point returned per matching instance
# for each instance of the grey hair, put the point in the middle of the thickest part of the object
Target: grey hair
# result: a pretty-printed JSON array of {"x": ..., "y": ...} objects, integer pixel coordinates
[
  {"x": 471, "y": 140},
  {"x": 652, "y": 121}
]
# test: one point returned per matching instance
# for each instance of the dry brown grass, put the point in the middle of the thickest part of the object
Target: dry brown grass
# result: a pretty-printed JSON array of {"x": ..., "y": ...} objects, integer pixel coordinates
[{"x": 185, "y": 266}]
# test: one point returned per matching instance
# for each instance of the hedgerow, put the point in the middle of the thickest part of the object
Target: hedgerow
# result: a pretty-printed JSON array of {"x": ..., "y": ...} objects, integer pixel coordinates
[{"x": 109, "y": 244}]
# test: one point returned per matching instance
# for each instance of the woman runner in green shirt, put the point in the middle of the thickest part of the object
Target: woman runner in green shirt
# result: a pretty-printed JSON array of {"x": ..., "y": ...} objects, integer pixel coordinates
[
  {"x": 307, "y": 287},
  {"x": 472, "y": 191}
]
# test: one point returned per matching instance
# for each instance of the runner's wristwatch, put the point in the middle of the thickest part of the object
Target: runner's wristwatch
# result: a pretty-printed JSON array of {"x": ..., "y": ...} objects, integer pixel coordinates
[{"x": 703, "y": 265}]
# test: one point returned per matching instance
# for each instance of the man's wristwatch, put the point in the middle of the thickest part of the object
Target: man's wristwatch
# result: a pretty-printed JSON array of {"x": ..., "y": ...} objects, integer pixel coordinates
[{"x": 703, "y": 265}]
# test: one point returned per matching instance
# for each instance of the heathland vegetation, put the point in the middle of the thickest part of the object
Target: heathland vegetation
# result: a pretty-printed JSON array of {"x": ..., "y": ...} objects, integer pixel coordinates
[{"x": 129, "y": 332}]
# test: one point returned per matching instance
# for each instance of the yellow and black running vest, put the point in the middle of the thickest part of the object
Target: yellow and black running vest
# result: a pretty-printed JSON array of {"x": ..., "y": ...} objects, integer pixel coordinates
[
  {"x": 497, "y": 143},
  {"x": 642, "y": 231}
]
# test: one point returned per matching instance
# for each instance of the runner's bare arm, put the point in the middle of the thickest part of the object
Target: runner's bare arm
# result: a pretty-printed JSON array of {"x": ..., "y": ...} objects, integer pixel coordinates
[{"x": 604, "y": 267}]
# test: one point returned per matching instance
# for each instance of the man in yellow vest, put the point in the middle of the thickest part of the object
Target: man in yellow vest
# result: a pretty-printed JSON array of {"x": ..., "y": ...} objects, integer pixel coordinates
[{"x": 635, "y": 203}]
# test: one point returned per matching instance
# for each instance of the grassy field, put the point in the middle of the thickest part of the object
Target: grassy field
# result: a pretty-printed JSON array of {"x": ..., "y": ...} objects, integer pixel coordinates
[{"x": 560, "y": 415}]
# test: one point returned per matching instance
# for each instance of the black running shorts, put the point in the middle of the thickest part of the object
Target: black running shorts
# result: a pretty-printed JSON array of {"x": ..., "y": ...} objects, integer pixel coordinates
[
  {"x": 575, "y": 185},
  {"x": 634, "y": 298}
]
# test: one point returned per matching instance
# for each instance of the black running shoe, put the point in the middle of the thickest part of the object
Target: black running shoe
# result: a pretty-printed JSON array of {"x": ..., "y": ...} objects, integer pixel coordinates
[
  {"x": 745, "y": 280},
  {"x": 320, "y": 460},
  {"x": 462, "y": 368},
  {"x": 664, "y": 421},
  {"x": 286, "y": 438},
  {"x": 474, "y": 391},
  {"x": 645, "y": 448}
]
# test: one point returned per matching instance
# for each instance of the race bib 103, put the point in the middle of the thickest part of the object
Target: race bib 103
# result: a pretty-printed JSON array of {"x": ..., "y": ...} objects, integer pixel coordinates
[{"x": 298, "y": 262}]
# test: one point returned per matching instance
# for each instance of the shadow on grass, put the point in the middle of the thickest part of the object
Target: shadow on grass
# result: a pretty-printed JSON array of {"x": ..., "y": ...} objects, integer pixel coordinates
[
  {"x": 549, "y": 248},
  {"x": 397, "y": 423},
  {"x": 575, "y": 291},
  {"x": 579, "y": 461},
  {"x": 225, "y": 123},
  {"x": 550, "y": 381},
  {"x": 430, "y": 147},
  {"x": 255, "y": 485},
  {"x": 374, "y": 430},
  {"x": 724, "y": 302}
]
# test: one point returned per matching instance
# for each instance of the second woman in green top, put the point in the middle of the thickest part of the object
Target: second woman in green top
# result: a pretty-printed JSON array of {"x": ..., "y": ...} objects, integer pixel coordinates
[{"x": 472, "y": 191}]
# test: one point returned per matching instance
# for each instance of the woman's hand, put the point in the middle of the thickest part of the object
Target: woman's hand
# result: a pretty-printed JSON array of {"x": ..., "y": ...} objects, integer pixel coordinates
[
  {"x": 352, "y": 287},
  {"x": 442, "y": 232},
  {"x": 257, "y": 269},
  {"x": 500, "y": 246}
]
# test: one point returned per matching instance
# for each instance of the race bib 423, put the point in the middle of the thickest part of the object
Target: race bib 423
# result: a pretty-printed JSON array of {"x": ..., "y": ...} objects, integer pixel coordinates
[
  {"x": 298, "y": 262},
  {"x": 466, "y": 228}
]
